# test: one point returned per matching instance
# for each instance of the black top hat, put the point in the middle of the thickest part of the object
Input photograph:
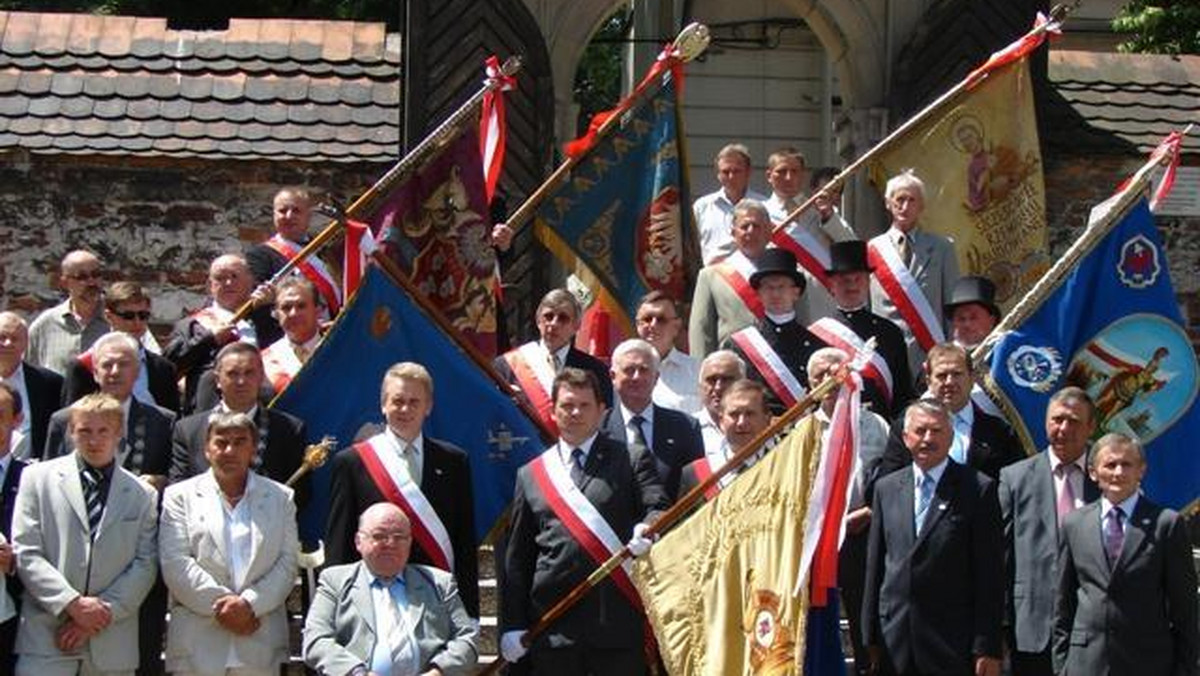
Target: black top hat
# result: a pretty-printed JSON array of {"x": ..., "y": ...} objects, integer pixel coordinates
[
  {"x": 969, "y": 290},
  {"x": 777, "y": 262},
  {"x": 848, "y": 256}
]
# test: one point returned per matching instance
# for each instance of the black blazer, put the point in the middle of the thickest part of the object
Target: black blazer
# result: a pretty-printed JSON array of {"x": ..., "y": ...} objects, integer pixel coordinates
[
  {"x": 934, "y": 602},
  {"x": 676, "y": 442},
  {"x": 890, "y": 345},
  {"x": 543, "y": 562},
  {"x": 147, "y": 434},
  {"x": 163, "y": 384},
  {"x": 445, "y": 482},
  {"x": 793, "y": 343},
  {"x": 193, "y": 349},
  {"x": 575, "y": 358},
  {"x": 44, "y": 389},
  {"x": 283, "y": 453},
  {"x": 9, "y": 583}
]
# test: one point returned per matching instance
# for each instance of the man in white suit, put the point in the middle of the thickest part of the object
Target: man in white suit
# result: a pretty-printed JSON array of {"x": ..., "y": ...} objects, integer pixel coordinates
[
  {"x": 385, "y": 616},
  {"x": 83, "y": 531},
  {"x": 228, "y": 546}
]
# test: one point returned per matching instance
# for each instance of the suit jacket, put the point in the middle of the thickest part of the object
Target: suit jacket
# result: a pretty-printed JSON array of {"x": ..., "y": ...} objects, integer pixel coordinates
[
  {"x": 1140, "y": 616},
  {"x": 58, "y": 559},
  {"x": 935, "y": 601},
  {"x": 543, "y": 560},
  {"x": 445, "y": 482},
  {"x": 193, "y": 349},
  {"x": 890, "y": 345},
  {"x": 1028, "y": 506},
  {"x": 717, "y": 313},
  {"x": 161, "y": 380},
  {"x": 793, "y": 343},
  {"x": 44, "y": 389},
  {"x": 935, "y": 267},
  {"x": 279, "y": 455},
  {"x": 576, "y": 359},
  {"x": 196, "y": 568},
  {"x": 10, "y": 583},
  {"x": 339, "y": 632},
  {"x": 676, "y": 442},
  {"x": 147, "y": 442}
]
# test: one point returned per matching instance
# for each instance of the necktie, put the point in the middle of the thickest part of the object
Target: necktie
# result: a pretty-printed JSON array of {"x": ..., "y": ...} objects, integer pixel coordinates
[
  {"x": 1114, "y": 536},
  {"x": 1066, "y": 494},
  {"x": 789, "y": 205},
  {"x": 905, "y": 249},
  {"x": 409, "y": 455},
  {"x": 577, "y": 461},
  {"x": 924, "y": 498},
  {"x": 402, "y": 651},
  {"x": 639, "y": 432},
  {"x": 92, "y": 483},
  {"x": 555, "y": 362},
  {"x": 301, "y": 353}
]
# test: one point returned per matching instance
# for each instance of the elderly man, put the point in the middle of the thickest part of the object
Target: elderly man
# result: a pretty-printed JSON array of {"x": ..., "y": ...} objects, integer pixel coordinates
[
  {"x": 127, "y": 309},
  {"x": 10, "y": 479},
  {"x": 714, "y": 211},
  {"x": 83, "y": 531},
  {"x": 658, "y": 323},
  {"x": 1036, "y": 495},
  {"x": 531, "y": 368},
  {"x": 228, "y": 547},
  {"x": 672, "y": 437},
  {"x": 291, "y": 211},
  {"x": 743, "y": 415},
  {"x": 1126, "y": 579},
  {"x": 40, "y": 389},
  {"x": 717, "y": 372},
  {"x": 934, "y": 597},
  {"x": 384, "y": 615},
  {"x": 62, "y": 332},
  {"x": 428, "y": 478},
  {"x": 723, "y": 301},
  {"x": 195, "y": 340},
  {"x": 916, "y": 269},
  {"x": 584, "y": 478},
  {"x": 279, "y": 443},
  {"x": 296, "y": 309}
]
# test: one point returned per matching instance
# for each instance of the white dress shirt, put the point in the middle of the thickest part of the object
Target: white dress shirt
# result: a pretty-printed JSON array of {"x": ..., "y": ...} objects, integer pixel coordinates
[
  {"x": 647, "y": 424},
  {"x": 713, "y": 438},
  {"x": 714, "y": 220},
  {"x": 414, "y": 459},
  {"x": 237, "y": 532},
  {"x": 1076, "y": 478},
  {"x": 678, "y": 385},
  {"x": 565, "y": 449}
]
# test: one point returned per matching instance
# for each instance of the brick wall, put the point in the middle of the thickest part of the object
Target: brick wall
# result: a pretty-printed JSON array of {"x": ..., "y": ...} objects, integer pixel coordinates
[{"x": 159, "y": 222}]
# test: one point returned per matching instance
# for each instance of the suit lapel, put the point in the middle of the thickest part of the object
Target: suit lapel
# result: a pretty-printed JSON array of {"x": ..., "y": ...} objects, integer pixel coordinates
[
  {"x": 942, "y": 497},
  {"x": 69, "y": 479},
  {"x": 1135, "y": 534},
  {"x": 360, "y": 592},
  {"x": 906, "y": 509},
  {"x": 419, "y": 594},
  {"x": 616, "y": 424},
  {"x": 118, "y": 495},
  {"x": 1092, "y": 542},
  {"x": 596, "y": 460},
  {"x": 257, "y": 505},
  {"x": 1043, "y": 494}
]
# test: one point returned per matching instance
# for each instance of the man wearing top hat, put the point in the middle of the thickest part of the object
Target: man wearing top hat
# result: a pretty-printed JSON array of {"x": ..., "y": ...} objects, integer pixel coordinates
[
  {"x": 972, "y": 311},
  {"x": 850, "y": 283},
  {"x": 777, "y": 347}
]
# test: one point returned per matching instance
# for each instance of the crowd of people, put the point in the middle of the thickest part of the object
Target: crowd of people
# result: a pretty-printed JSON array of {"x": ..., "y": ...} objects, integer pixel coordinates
[{"x": 142, "y": 482}]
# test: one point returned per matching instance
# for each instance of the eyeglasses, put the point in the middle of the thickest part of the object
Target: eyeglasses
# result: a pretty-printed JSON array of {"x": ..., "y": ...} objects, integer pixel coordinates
[
  {"x": 388, "y": 538},
  {"x": 130, "y": 315}
]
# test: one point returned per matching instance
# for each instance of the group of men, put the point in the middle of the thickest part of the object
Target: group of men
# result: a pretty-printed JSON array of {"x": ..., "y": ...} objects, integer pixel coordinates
[{"x": 149, "y": 499}]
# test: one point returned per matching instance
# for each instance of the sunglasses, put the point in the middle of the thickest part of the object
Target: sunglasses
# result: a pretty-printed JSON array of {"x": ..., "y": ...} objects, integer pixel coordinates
[{"x": 130, "y": 315}]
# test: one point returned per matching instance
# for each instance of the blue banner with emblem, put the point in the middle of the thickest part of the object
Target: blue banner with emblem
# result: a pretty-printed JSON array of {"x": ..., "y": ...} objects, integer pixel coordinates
[
  {"x": 1113, "y": 327},
  {"x": 337, "y": 394}
]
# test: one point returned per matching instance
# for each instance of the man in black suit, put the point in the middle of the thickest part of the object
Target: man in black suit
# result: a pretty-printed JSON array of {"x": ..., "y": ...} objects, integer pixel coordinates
[
  {"x": 127, "y": 309},
  {"x": 280, "y": 452},
  {"x": 1127, "y": 583},
  {"x": 585, "y": 486},
  {"x": 672, "y": 437},
  {"x": 934, "y": 598},
  {"x": 40, "y": 389},
  {"x": 439, "y": 502},
  {"x": 291, "y": 212},
  {"x": 1036, "y": 494},
  {"x": 530, "y": 368},
  {"x": 10, "y": 480},
  {"x": 978, "y": 440}
]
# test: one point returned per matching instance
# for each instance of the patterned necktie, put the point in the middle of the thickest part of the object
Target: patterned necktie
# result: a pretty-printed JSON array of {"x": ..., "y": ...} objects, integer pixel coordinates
[
  {"x": 577, "y": 461},
  {"x": 789, "y": 205},
  {"x": 905, "y": 249},
  {"x": 639, "y": 432},
  {"x": 1066, "y": 495},
  {"x": 399, "y": 636},
  {"x": 1114, "y": 536},
  {"x": 924, "y": 498},
  {"x": 93, "y": 479}
]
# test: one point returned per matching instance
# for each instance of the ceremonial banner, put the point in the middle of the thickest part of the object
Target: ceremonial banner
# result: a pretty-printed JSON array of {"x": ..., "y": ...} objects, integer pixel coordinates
[
  {"x": 337, "y": 394},
  {"x": 621, "y": 222},
  {"x": 436, "y": 226},
  {"x": 982, "y": 171},
  {"x": 718, "y": 589},
  {"x": 1112, "y": 326}
]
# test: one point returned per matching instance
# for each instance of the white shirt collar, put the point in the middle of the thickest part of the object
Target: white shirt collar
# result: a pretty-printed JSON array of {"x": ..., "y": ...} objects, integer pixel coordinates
[
  {"x": 936, "y": 471},
  {"x": 418, "y": 443},
  {"x": 561, "y": 352},
  {"x": 224, "y": 408},
  {"x": 894, "y": 234},
  {"x": 628, "y": 413},
  {"x": 564, "y": 449},
  {"x": 785, "y": 318},
  {"x": 1127, "y": 506},
  {"x": 1080, "y": 462},
  {"x": 309, "y": 345}
]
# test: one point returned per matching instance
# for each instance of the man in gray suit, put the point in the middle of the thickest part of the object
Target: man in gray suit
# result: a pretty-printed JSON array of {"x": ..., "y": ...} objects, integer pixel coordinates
[
  {"x": 83, "y": 531},
  {"x": 1127, "y": 584},
  {"x": 1035, "y": 495},
  {"x": 382, "y": 615}
]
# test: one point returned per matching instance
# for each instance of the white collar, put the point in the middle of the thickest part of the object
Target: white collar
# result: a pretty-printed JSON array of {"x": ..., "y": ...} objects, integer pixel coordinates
[
  {"x": 935, "y": 472},
  {"x": 224, "y": 408},
  {"x": 418, "y": 444},
  {"x": 1127, "y": 505},
  {"x": 1080, "y": 462},
  {"x": 564, "y": 449},
  {"x": 785, "y": 318},
  {"x": 646, "y": 413},
  {"x": 561, "y": 352},
  {"x": 310, "y": 344}
]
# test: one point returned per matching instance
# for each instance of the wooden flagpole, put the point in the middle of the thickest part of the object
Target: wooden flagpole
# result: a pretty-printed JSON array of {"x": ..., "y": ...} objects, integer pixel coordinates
[{"x": 435, "y": 141}]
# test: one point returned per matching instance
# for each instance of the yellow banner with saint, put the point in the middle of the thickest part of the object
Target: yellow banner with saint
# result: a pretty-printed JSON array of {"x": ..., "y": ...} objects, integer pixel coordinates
[
  {"x": 982, "y": 170},
  {"x": 718, "y": 588}
]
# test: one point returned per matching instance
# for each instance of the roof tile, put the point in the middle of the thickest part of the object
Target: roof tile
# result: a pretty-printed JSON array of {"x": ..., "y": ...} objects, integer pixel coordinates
[
  {"x": 20, "y": 35},
  {"x": 116, "y": 36},
  {"x": 86, "y": 30},
  {"x": 52, "y": 35}
]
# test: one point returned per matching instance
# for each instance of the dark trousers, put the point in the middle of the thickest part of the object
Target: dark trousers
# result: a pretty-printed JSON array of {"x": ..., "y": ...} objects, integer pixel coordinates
[
  {"x": 152, "y": 629},
  {"x": 8, "y": 638},
  {"x": 580, "y": 661},
  {"x": 852, "y": 571},
  {"x": 1031, "y": 664}
]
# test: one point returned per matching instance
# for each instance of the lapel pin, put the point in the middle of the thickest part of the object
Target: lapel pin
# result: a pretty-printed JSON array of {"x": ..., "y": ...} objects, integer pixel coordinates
[{"x": 942, "y": 506}]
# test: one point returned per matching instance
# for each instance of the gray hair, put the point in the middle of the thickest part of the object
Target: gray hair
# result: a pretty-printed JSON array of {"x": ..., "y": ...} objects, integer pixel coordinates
[
  {"x": 831, "y": 355},
  {"x": 635, "y": 346},
  {"x": 1117, "y": 439},
  {"x": 906, "y": 179},
  {"x": 738, "y": 150},
  {"x": 116, "y": 339},
  {"x": 928, "y": 407},
  {"x": 725, "y": 355},
  {"x": 1074, "y": 395},
  {"x": 749, "y": 204},
  {"x": 220, "y": 421}
]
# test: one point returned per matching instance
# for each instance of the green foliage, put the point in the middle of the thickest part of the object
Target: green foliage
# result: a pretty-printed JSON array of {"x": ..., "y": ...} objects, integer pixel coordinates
[
  {"x": 1160, "y": 26},
  {"x": 598, "y": 78}
]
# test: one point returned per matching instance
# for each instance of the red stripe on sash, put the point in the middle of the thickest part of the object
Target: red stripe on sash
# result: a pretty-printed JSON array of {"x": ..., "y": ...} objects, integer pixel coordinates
[
  {"x": 383, "y": 481},
  {"x": 324, "y": 286},
  {"x": 900, "y": 298},
  {"x": 741, "y": 286},
  {"x": 532, "y": 387},
  {"x": 805, "y": 258}
]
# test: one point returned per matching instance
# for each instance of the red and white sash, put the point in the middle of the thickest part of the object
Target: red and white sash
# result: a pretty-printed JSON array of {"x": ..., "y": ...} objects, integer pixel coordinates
[
  {"x": 382, "y": 463},
  {"x": 581, "y": 518},
  {"x": 736, "y": 271},
  {"x": 837, "y": 334},
  {"x": 530, "y": 365},
  {"x": 810, "y": 248},
  {"x": 313, "y": 269},
  {"x": 280, "y": 363},
  {"x": 902, "y": 288},
  {"x": 704, "y": 469},
  {"x": 770, "y": 365}
]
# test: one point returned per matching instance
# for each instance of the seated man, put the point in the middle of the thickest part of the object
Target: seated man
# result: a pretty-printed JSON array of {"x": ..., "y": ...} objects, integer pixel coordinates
[
  {"x": 228, "y": 547},
  {"x": 385, "y": 615}
]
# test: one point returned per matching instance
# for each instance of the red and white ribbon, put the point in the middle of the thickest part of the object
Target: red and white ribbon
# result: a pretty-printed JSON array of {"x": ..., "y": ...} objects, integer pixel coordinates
[
  {"x": 837, "y": 334},
  {"x": 493, "y": 124},
  {"x": 360, "y": 244},
  {"x": 811, "y": 251},
  {"x": 902, "y": 288},
  {"x": 313, "y": 269},
  {"x": 770, "y": 365},
  {"x": 736, "y": 271}
]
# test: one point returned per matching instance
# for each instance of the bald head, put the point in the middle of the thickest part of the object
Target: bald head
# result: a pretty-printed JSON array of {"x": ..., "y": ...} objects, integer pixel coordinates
[
  {"x": 384, "y": 539},
  {"x": 14, "y": 338},
  {"x": 230, "y": 281},
  {"x": 80, "y": 276}
]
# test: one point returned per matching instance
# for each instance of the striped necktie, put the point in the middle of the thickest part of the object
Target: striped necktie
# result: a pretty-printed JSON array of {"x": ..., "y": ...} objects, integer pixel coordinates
[{"x": 93, "y": 484}]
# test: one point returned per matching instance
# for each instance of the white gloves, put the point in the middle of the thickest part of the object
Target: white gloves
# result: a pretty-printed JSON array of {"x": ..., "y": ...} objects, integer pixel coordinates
[
  {"x": 511, "y": 647},
  {"x": 639, "y": 544}
]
